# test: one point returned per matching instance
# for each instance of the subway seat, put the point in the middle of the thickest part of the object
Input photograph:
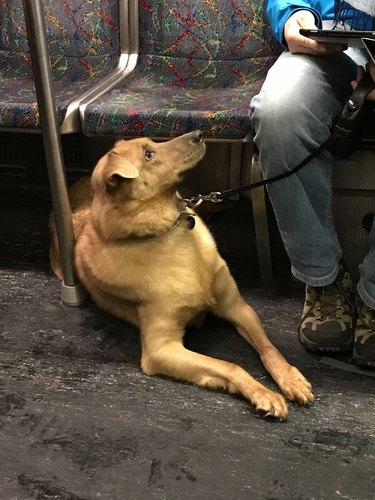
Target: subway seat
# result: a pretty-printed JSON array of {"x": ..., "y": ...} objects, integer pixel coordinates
[
  {"x": 200, "y": 63},
  {"x": 84, "y": 47}
]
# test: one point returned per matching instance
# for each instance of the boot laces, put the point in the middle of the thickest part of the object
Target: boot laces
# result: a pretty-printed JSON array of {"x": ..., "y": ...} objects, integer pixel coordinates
[{"x": 331, "y": 300}]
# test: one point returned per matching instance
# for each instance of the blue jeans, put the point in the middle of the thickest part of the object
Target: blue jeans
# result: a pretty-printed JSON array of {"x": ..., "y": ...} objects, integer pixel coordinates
[{"x": 292, "y": 115}]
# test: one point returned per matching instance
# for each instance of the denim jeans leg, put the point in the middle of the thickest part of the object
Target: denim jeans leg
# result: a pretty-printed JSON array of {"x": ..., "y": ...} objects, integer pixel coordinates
[{"x": 292, "y": 115}]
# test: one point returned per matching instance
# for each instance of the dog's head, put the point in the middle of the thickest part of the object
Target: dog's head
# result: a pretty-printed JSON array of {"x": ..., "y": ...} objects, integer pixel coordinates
[{"x": 140, "y": 169}]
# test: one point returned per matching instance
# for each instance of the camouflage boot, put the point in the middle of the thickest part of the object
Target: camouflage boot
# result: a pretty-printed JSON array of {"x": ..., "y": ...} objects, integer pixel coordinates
[
  {"x": 364, "y": 336},
  {"x": 328, "y": 316}
]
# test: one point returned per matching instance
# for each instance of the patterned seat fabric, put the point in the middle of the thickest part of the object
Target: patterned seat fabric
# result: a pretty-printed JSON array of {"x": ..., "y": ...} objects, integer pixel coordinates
[
  {"x": 201, "y": 62},
  {"x": 83, "y": 40}
]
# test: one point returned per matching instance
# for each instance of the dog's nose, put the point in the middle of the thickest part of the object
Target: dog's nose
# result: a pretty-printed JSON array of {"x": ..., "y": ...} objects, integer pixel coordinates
[{"x": 197, "y": 136}]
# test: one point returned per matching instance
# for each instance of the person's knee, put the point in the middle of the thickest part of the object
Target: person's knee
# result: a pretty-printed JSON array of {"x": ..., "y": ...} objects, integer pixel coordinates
[
  {"x": 295, "y": 105},
  {"x": 282, "y": 134},
  {"x": 274, "y": 117}
]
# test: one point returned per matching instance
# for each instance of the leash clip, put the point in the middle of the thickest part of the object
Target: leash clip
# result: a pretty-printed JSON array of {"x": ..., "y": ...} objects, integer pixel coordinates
[
  {"x": 195, "y": 201},
  {"x": 215, "y": 197}
]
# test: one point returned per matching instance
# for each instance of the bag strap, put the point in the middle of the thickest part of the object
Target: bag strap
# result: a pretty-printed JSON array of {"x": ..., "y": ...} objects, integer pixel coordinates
[{"x": 346, "y": 133}]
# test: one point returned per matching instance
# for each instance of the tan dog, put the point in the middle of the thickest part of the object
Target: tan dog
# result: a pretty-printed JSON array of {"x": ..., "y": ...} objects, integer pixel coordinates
[{"x": 140, "y": 259}]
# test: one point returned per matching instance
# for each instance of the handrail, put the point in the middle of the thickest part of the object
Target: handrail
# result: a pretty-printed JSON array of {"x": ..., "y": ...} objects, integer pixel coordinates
[{"x": 129, "y": 44}]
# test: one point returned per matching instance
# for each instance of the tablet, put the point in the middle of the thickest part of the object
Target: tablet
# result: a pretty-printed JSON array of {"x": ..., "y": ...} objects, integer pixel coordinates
[{"x": 351, "y": 38}]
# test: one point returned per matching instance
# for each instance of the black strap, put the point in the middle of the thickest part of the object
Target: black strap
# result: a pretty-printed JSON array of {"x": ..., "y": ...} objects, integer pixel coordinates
[{"x": 278, "y": 177}]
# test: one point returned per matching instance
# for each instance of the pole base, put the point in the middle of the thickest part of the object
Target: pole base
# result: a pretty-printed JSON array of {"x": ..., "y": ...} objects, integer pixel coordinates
[{"x": 73, "y": 296}]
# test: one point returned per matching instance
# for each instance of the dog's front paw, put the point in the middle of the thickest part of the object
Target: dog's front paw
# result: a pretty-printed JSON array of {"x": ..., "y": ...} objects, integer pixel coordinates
[
  {"x": 270, "y": 403},
  {"x": 296, "y": 387}
]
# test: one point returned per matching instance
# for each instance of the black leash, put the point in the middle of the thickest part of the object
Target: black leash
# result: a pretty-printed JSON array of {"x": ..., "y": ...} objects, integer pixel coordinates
[{"x": 342, "y": 142}]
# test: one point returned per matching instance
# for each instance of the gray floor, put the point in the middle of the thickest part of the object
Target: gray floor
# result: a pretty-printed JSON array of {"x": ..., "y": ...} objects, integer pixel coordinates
[{"x": 78, "y": 420}]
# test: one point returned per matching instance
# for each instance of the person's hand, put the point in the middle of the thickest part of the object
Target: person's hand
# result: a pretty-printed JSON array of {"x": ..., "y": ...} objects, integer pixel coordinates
[
  {"x": 370, "y": 68},
  {"x": 299, "y": 44}
]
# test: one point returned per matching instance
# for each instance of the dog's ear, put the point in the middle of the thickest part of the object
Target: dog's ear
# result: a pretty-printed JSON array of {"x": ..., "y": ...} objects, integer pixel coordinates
[{"x": 118, "y": 169}]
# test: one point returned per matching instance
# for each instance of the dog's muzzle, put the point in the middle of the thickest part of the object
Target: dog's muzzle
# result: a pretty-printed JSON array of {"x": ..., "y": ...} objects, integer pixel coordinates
[{"x": 197, "y": 136}]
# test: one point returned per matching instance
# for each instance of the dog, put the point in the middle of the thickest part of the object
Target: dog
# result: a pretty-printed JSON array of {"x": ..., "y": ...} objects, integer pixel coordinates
[{"x": 147, "y": 258}]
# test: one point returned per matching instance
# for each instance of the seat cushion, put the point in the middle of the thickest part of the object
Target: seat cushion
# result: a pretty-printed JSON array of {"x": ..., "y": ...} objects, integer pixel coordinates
[
  {"x": 154, "y": 102},
  {"x": 18, "y": 104}
]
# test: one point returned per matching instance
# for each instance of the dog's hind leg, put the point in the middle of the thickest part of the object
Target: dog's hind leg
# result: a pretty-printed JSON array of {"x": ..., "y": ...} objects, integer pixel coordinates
[
  {"x": 163, "y": 353},
  {"x": 231, "y": 306}
]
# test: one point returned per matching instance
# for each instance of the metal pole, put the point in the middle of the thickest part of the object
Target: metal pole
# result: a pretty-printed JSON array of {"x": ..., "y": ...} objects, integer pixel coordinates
[{"x": 72, "y": 292}]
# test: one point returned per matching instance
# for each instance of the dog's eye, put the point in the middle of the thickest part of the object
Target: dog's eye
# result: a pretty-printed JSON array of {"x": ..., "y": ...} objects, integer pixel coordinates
[{"x": 149, "y": 154}]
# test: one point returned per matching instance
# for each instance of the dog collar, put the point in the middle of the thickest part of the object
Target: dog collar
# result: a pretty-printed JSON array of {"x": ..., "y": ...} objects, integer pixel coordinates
[{"x": 183, "y": 216}]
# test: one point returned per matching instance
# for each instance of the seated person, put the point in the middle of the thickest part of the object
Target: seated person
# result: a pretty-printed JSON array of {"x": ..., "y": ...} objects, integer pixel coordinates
[{"x": 292, "y": 115}]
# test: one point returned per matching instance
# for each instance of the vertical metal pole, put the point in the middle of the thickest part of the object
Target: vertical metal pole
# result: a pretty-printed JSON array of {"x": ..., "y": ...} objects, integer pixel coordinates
[
  {"x": 71, "y": 291},
  {"x": 262, "y": 237}
]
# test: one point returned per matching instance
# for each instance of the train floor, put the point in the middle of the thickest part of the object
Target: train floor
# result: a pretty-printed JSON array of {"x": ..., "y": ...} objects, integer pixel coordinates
[{"x": 78, "y": 419}]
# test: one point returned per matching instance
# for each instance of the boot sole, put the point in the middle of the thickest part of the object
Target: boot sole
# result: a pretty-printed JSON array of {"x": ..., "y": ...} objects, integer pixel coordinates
[
  {"x": 362, "y": 361},
  {"x": 313, "y": 346}
]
